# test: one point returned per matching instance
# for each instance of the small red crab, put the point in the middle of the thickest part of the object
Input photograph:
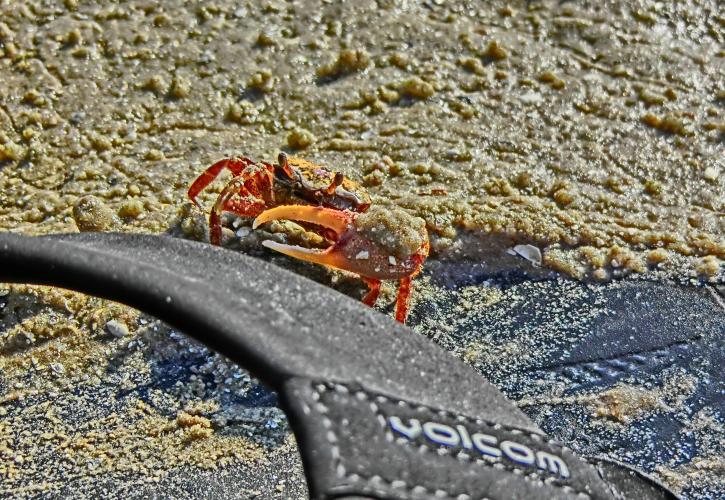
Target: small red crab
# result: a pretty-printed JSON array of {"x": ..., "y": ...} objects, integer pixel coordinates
[{"x": 376, "y": 243}]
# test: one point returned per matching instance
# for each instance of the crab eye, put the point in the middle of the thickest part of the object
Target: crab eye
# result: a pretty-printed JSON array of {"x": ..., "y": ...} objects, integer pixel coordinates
[
  {"x": 284, "y": 165},
  {"x": 336, "y": 181}
]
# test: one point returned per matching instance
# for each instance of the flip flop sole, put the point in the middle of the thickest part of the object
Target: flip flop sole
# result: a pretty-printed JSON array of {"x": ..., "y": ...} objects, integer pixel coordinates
[{"x": 377, "y": 410}]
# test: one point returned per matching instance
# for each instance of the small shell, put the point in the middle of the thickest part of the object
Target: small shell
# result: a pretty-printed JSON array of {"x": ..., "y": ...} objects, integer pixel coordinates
[{"x": 530, "y": 253}]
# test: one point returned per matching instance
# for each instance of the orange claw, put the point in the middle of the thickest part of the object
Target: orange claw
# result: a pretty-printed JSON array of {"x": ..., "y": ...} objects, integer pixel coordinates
[{"x": 356, "y": 248}]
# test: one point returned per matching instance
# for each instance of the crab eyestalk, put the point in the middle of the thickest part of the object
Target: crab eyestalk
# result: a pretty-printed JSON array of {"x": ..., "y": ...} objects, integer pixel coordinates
[
  {"x": 284, "y": 165},
  {"x": 355, "y": 248}
]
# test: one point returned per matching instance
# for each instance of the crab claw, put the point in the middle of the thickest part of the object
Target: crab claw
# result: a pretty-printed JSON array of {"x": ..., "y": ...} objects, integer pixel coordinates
[
  {"x": 338, "y": 221},
  {"x": 356, "y": 247}
]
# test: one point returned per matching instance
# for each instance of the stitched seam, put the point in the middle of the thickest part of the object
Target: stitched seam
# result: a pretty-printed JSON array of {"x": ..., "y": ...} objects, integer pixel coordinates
[{"x": 320, "y": 388}]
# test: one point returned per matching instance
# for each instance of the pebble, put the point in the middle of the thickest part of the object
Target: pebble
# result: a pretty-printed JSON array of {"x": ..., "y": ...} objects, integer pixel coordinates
[
  {"x": 91, "y": 215},
  {"x": 300, "y": 138}
]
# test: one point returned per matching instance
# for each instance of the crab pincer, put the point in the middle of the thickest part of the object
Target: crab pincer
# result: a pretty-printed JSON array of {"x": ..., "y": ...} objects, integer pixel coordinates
[{"x": 379, "y": 244}]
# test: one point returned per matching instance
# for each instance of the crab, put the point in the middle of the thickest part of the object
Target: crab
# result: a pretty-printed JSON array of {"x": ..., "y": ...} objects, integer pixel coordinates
[{"x": 377, "y": 243}]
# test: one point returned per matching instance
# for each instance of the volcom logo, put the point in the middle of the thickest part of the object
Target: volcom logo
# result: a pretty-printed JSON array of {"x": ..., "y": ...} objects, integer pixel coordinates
[{"x": 485, "y": 444}]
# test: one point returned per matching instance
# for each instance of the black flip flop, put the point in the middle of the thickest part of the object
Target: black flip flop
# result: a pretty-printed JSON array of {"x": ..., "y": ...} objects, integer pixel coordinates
[{"x": 377, "y": 410}]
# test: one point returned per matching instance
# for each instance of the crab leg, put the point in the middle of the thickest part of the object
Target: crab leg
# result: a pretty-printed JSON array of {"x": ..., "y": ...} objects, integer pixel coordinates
[
  {"x": 401, "y": 304},
  {"x": 255, "y": 190},
  {"x": 234, "y": 165},
  {"x": 372, "y": 296},
  {"x": 215, "y": 223}
]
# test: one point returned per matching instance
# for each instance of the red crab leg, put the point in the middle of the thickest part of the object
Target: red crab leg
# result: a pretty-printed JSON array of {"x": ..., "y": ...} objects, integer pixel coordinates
[
  {"x": 259, "y": 185},
  {"x": 406, "y": 284},
  {"x": 234, "y": 165},
  {"x": 255, "y": 191},
  {"x": 215, "y": 223},
  {"x": 372, "y": 296},
  {"x": 244, "y": 207},
  {"x": 401, "y": 304}
]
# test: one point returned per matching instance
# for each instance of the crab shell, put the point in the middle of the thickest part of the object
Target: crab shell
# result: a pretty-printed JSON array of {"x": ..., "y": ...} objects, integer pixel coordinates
[{"x": 311, "y": 183}]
